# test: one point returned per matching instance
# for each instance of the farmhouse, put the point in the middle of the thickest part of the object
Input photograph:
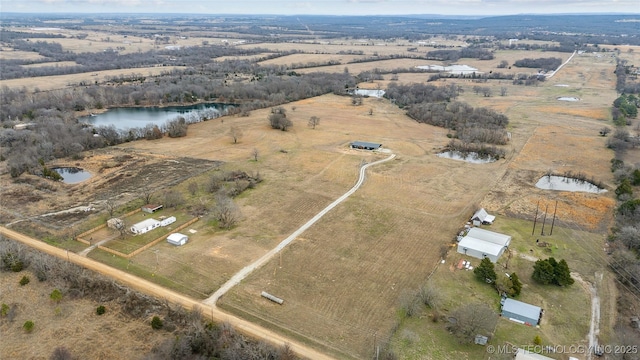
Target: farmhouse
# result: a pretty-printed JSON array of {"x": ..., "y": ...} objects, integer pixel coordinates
[
  {"x": 177, "y": 239},
  {"x": 363, "y": 145},
  {"x": 521, "y": 312},
  {"x": 481, "y": 217},
  {"x": 480, "y": 243},
  {"x": 145, "y": 226},
  {"x": 149, "y": 208}
]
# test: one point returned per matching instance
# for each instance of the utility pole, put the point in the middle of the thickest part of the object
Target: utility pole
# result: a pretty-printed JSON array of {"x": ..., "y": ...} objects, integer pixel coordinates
[
  {"x": 544, "y": 219},
  {"x": 535, "y": 219},
  {"x": 554, "y": 218}
]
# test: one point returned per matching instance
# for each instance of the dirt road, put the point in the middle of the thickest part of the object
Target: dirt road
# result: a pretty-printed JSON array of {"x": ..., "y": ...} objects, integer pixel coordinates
[
  {"x": 244, "y": 272},
  {"x": 159, "y": 292}
]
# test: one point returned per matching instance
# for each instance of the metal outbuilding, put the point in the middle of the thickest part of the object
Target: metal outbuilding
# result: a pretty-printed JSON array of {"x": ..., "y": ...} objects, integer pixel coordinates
[
  {"x": 363, "y": 145},
  {"x": 177, "y": 239},
  {"x": 521, "y": 312},
  {"x": 480, "y": 244}
]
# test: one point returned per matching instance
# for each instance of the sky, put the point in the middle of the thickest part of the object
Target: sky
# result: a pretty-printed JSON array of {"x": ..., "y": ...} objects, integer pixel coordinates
[{"x": 325, "y": 7}]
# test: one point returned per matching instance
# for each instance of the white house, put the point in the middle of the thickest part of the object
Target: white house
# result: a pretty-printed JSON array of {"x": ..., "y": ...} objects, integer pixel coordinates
[
  {"x": 177, "y": 239},
  {"x": 145, "y": 226},
  {"x": 168, "y": 221},
  {"x": 481, "y": 217},
  {"x": 480, "y": 243}
]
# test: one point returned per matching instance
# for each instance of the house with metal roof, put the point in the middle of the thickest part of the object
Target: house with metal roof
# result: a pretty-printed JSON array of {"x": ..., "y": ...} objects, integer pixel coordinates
[
  {"x": 480, "y": 244},
  {"x": 363, "y": 145},
  {"x": 145, "y": 226},
  {"x": 521, "y": 312}
]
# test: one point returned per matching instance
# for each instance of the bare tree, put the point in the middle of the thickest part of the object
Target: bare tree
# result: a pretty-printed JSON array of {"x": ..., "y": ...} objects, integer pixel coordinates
[
  {"x": 173, "y": 198},
  {"x": 314, "y": 121},
  {"x": 146, "y": 194},
  {"x": 110, "y": 205},
  {"x": 255, "y": 154},
  {"x": 472, "y": 319},
  {"x": 486, "y": 91},
  {"x": 503, "y": 91},
  {"x": 235, "y": 133},
  {"x": 605, "y": 131},
  {"x": 226, "y": 211},
  {"x": 370, "y": 111},
  {"x": 193, "y": 187}
]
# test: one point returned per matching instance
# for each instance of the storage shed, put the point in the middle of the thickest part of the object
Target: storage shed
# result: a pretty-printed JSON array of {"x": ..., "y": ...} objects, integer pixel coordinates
[
  {"x": 480, "y": 243},
  {"x": 168, "y": 221},
  {"x": 151, "y": 208},
  {"x": 363, "y": 145},
  {"x": 521, "y": 312},
  {"x": 145, "y": 226},
  {"x": 481, "y": 217},
  {"x": 177, "y": 239}
]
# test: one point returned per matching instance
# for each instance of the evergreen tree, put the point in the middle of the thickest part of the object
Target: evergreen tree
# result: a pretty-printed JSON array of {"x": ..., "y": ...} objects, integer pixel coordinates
[
  {"x": 486, "y": 271},
  {"x": 543, "y": 272},
  {"x": 516, "y": 284},
  {"x": 562, "y": 274}
]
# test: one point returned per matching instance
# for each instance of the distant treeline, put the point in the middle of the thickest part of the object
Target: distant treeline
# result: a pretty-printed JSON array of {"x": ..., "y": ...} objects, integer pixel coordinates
[
  {"x": 546, "y": 64},
  {"x": 455, "y": 55}
]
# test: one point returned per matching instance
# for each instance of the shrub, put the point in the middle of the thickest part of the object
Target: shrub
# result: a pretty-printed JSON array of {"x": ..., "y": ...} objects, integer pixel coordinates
[
  {"x": 537, "y": 340},
  {"x": 4, "y": 310},
  {"x": 56, "y": 295},
  {"x": 156, "y": 323},
  {"x": 24, "y": 281},
  {"x": 101, "y": 310},
  {"x": 28, "y": 326}
]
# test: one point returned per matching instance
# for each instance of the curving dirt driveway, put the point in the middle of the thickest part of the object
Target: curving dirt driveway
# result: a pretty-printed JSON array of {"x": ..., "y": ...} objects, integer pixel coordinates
[
  {"x": 173, "y": 297},
  {"x": 244, "y": 272}
]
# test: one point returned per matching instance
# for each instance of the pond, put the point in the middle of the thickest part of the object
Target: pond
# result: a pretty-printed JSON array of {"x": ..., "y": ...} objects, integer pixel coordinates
[
  {"x": 567, "y": 98},
  {"x": 470, "y": 157},
  {"x": 452, "y": 69},
  {"x": 72, "y": 175},
  {"x": 562, "y": 183},
  {"x": 372, "y": 93},
  {"x": 139, "y": 117}
]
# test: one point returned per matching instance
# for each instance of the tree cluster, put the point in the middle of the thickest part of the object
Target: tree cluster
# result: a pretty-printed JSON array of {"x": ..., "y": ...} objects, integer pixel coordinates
[
  {"x": 550, "y": 271},
  {"x": 455, "y": 55},
  {"x": 278, "y": 119},
  {"x": 546, "y": 64}
]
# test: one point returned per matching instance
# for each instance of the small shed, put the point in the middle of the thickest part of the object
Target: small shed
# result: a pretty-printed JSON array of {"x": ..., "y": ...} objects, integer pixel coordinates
[
  {"x": 168, "y": 221},
  {"x": 363, "y": 145},
  {"x": 521, "y": 312},
  {"x": 177, "y": 239},
  {"x": 480, "y": 340},
  {"x": 145, "y": 226},
  {"x": 481, "y": 217},
  {"x": 151, "y": 208}
]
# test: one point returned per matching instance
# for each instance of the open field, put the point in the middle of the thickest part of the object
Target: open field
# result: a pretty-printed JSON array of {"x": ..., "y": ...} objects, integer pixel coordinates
[
  {"x": 54, "y": 82},
  {"x": 344, "y": 278},
  {"x": 11, "y": 54}
]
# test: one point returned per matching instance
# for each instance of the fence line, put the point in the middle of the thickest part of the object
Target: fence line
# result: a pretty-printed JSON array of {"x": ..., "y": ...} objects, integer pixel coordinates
[{"x": 138, "y": 251}]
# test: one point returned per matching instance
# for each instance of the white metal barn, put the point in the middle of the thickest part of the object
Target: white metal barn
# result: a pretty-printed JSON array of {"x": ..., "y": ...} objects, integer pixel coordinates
[
  {"x": 480, "y": 243},
  {"x": 177, "y": 239},
  {"x": 145, "y": 226}
]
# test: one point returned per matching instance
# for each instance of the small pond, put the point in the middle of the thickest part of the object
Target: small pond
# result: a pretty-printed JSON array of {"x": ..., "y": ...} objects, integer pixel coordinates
[
  {"x": 452, "y": 69},
  {"x": 368, "y": 92},
  {"x": 471, "y": 157},
  {"x": 72, "y": 175},
  {"x": 567, "y": 98},
  {"x": 562, "y": 183}
]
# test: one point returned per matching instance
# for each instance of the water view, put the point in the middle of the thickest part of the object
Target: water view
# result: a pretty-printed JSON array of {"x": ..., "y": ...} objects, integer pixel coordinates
[
  {"x": 452, "y": 69},
  {"x": 139, "y": 117},
  {"x": 562, "y": 183},
  {"x": 72, "y": 175},
  {"x": 471, "y": 157}
]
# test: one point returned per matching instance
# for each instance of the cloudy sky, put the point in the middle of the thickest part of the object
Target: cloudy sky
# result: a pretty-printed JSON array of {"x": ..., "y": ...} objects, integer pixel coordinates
[{"x": 322, "y": 7}]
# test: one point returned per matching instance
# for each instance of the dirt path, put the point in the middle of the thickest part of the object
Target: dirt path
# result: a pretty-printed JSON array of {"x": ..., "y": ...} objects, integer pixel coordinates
[
  {"x": 549, "y": 76},
  {"x": 175, "y": 298},
  {"x": 240, "y": 275},
  {"x": 594, "y": 326}
]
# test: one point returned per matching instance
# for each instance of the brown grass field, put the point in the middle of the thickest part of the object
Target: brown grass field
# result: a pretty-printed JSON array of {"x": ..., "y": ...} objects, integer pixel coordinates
[{"x": 343, "y": 279}]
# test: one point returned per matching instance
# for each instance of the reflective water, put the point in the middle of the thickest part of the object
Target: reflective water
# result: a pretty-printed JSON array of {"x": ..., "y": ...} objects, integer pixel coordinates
[
  {"x": 471, "y": 157},
  {"x": 72, "y": 175},
  {"x": 562, "y": 183},
  {"x": 452, "y": 69},
  {"x": 139, "y": 117}
]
